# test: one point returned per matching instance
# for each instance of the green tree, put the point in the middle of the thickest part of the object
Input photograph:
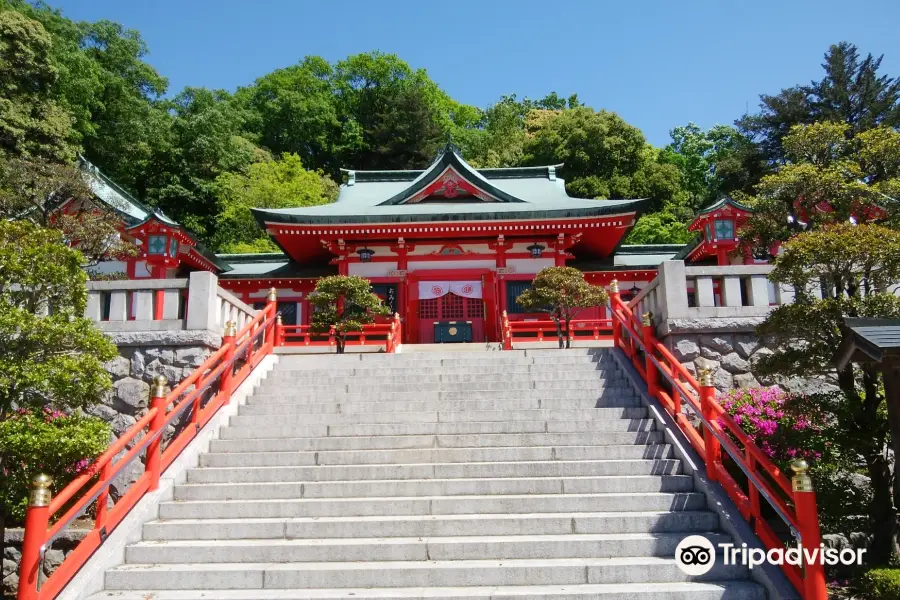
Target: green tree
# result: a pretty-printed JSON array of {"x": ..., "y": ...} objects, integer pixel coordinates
[
  {"x": 280, "y": 183},
  {"x": 562, "y": 293},
  {"x": 344, "y": 304},
  {"x": 605, "y": 157},
  {"x": 33, "y": 125},
  {"x": 828, "y": 179},
  {"x": 851, "y": 267},
  {"x": 852, "y": 92},
  {"x": 662, "y": 227}
]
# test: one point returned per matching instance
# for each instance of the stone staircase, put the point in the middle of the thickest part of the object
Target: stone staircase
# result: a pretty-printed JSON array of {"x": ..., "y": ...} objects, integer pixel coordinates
[{"x": 451, "y": 475}]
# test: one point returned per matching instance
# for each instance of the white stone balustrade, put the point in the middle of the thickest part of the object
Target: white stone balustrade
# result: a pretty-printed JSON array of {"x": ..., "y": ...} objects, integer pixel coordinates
[{"x": 196, "y": 303}]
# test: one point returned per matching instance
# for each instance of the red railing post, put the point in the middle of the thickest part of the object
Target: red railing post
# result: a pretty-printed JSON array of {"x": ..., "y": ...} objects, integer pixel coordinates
[
  {"x": 614, "y": 301},
  {"x": 707, "y": 401},
  {"x": 507, "y": 333},
  {"x": 814, "y": 587},
  {"x": 271, "y": 307},
  {"x": 159, "y": 402},
  {"x": 37, "y": 517},
  {"x": 102, "y": 499},
  {"x": 649, "y": 336},
  {"x": 227, "y": 360},
  {"x": 279, "y": 332}
]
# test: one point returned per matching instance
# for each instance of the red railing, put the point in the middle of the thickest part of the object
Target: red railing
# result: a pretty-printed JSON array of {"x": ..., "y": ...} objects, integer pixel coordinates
[
  {"x": 764, "y": 492},
  {"x": 387, "y": 334},
  {"x": 204, "y": 392},
  {"x": 545, "y": 330}
]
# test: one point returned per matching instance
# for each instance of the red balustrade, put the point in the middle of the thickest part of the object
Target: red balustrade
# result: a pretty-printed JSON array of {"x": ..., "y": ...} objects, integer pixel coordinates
[
  {"x": 204, "y": 392},
  {"x": 763, "y": 492},
  {"x": 544, "y": 330},
  {"x": 387, "y": 334}
]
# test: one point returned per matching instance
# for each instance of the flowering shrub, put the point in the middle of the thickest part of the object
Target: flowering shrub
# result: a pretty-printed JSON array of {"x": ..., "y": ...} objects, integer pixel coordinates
[
  {"x": 46, "y": 441},
  {"x": 776, "y": 422}
]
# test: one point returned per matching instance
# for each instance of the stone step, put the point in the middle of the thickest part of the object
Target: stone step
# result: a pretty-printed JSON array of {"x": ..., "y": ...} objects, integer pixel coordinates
[
  {"x": 433, "y": 455},
  {"x": 727, "y": 590},
  {"x": 409, "y": 384},
  {"x": 414, "y": 369},
  {"x": 433, "y": 505},
  {"x": 439, "y": 525},
  {"x": 478, "y": 486},
  {"x": 463, "y": 375},
  {"x": 407, "y": 442},
  {"x": 481, "y": 547},
  {"x": 440, "y": 416},
  {"x": 400, "y": 406},
  {"x": 450, "y": 573},
  {"x": 491, "y": 470},
  {"x": 611, "y": 393},
  {"x": 457, "y": 428}
]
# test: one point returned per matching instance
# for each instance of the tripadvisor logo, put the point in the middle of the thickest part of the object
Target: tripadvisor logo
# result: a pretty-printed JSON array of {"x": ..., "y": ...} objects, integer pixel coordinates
[{"x": 696, "y": 555}]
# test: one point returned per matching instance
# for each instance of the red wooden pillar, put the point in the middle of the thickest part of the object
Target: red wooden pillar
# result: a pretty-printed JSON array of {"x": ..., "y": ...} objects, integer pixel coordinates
[
  {"x": 491, "y": 313},
  {"x": 713, "y": 456},
  {"x": 154, "y": 449},
  {"x": 159, "y": 296},
  {"x": 37, "y": 517},
  {"x": 814, "y": 587},
  {"x": 271, "y": 309},
  {"x": 614, "y": 301},
  {"x": 649, "y": 339},
  {"x": 228, "y": 340},
  {"x": 412, "y": 306}
]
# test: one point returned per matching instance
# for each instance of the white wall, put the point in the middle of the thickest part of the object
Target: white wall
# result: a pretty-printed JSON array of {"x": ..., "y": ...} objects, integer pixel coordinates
[
  {"x": 110, "y": 266},
  {"x": 530, "y": 265},
  {"x": 437, "y": 265},
  {"x": 372, "y": 269}
]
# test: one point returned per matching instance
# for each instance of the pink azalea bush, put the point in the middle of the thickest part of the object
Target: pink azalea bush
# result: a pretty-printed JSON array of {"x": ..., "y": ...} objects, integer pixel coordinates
[
  {"x": 779, "y": 423},
  {"x": 46, "y": 441}
]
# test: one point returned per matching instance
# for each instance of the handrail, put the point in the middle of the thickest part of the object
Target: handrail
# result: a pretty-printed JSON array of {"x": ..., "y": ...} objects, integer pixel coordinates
[
  {"x": 245, "y": 348},
  {"x": 538, "y": 330},
  {"x": 794, "y": 502},
  {"x": 388, "y": 334}
]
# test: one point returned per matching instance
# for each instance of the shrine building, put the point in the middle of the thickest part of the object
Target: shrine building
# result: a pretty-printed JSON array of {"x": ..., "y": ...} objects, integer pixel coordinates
[{"x": 447, "y": 243}]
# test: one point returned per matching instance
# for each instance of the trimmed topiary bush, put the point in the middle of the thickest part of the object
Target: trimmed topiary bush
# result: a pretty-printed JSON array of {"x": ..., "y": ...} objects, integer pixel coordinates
[{"x": 49, "y": 442}]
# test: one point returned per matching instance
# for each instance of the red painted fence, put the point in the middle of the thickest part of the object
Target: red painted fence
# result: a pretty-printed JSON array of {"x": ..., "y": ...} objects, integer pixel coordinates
[
  {"x": 387, "y": 334},
  {"x": 764, "y": 493},
  {"x": 204, "y": 392},
  {"x": 545, "y": 330}
]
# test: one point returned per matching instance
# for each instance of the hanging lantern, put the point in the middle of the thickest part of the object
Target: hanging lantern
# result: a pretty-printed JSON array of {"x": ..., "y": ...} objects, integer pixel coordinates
[
  {"x": 365, "y": 254},
  {"x": 536, "y": 250}
]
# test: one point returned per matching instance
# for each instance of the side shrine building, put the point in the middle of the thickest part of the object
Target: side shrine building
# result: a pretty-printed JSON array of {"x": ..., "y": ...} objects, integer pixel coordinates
[{"x": 448, "y": 243}]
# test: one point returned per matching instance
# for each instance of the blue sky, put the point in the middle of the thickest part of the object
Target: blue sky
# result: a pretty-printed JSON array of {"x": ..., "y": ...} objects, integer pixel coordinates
[{"x": 657, "y": 63}]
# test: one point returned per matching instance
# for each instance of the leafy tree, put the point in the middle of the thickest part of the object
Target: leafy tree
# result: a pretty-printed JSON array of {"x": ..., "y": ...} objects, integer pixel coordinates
[
  {"x": 34, "y": 190},
  {"x": 828, "y": 179},
  {"x": 605, "y": 157},
  {"x": 32, "y": 123},
  {"x": 562, "y": 293},
  {"x": 205, "y": 141},
  {"x": 852, "y": 267},
  {"x": 663, "y": 227},
  {"x": 274, "y": 184},
  {"x": 852, "y": 92},
  {"x": 344, "y": 304}
]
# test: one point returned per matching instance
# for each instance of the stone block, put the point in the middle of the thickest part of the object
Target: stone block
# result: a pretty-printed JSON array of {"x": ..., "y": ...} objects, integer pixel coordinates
[
  {"x": 118, "y": 367},
  {"x": 165, "y": 355},
  {"x": 191, "y": 357},
  {"x": 138, "y": 364},
  {"x": 734, "y": 364},
  {"x": 745, "y": 380},
  {"x": 704, "y": 363},
  {"x": 746, "y": 345},
  {"x": 724, "y": 380},
  {"x": 132, "y": 392},
  {"x": 709, "y": 354},
  {"x": 720, "y": 343},
  {"x": 121, "y": 423},
  {"x": 102, "y": 411},
  {"x": 686, "y": 350},
  {"x": 155, "y": 368},
  {"x": 759, "y": 355}
]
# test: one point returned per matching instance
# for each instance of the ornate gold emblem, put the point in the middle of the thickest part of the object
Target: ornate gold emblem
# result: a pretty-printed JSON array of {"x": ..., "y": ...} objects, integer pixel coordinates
[{"x": 452, "y": 331}]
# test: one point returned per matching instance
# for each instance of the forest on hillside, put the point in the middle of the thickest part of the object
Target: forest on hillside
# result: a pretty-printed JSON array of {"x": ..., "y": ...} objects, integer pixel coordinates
[{"x": 205, "y": 157}]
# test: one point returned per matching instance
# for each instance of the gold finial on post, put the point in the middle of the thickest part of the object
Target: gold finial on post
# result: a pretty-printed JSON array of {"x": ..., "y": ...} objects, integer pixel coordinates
[
  {"x": 159, "y": 386},
  {"x": 706, "y": 378},
  {"x": 273, "y": 295},
  {"x": 614, "y": 286},
  {"x": 278, "y": 319},
  {"x": 40, "y": 490},
  {"x": 230, "y": 329},
  {"x": 647, "y": 319},
  {"x": 801, "y": 481}
]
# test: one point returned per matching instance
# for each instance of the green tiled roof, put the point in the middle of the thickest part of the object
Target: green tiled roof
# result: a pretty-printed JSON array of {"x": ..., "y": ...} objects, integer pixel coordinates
[
  {"x": 721, "y": 204},
  {"x": 376, "y": 196}
]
